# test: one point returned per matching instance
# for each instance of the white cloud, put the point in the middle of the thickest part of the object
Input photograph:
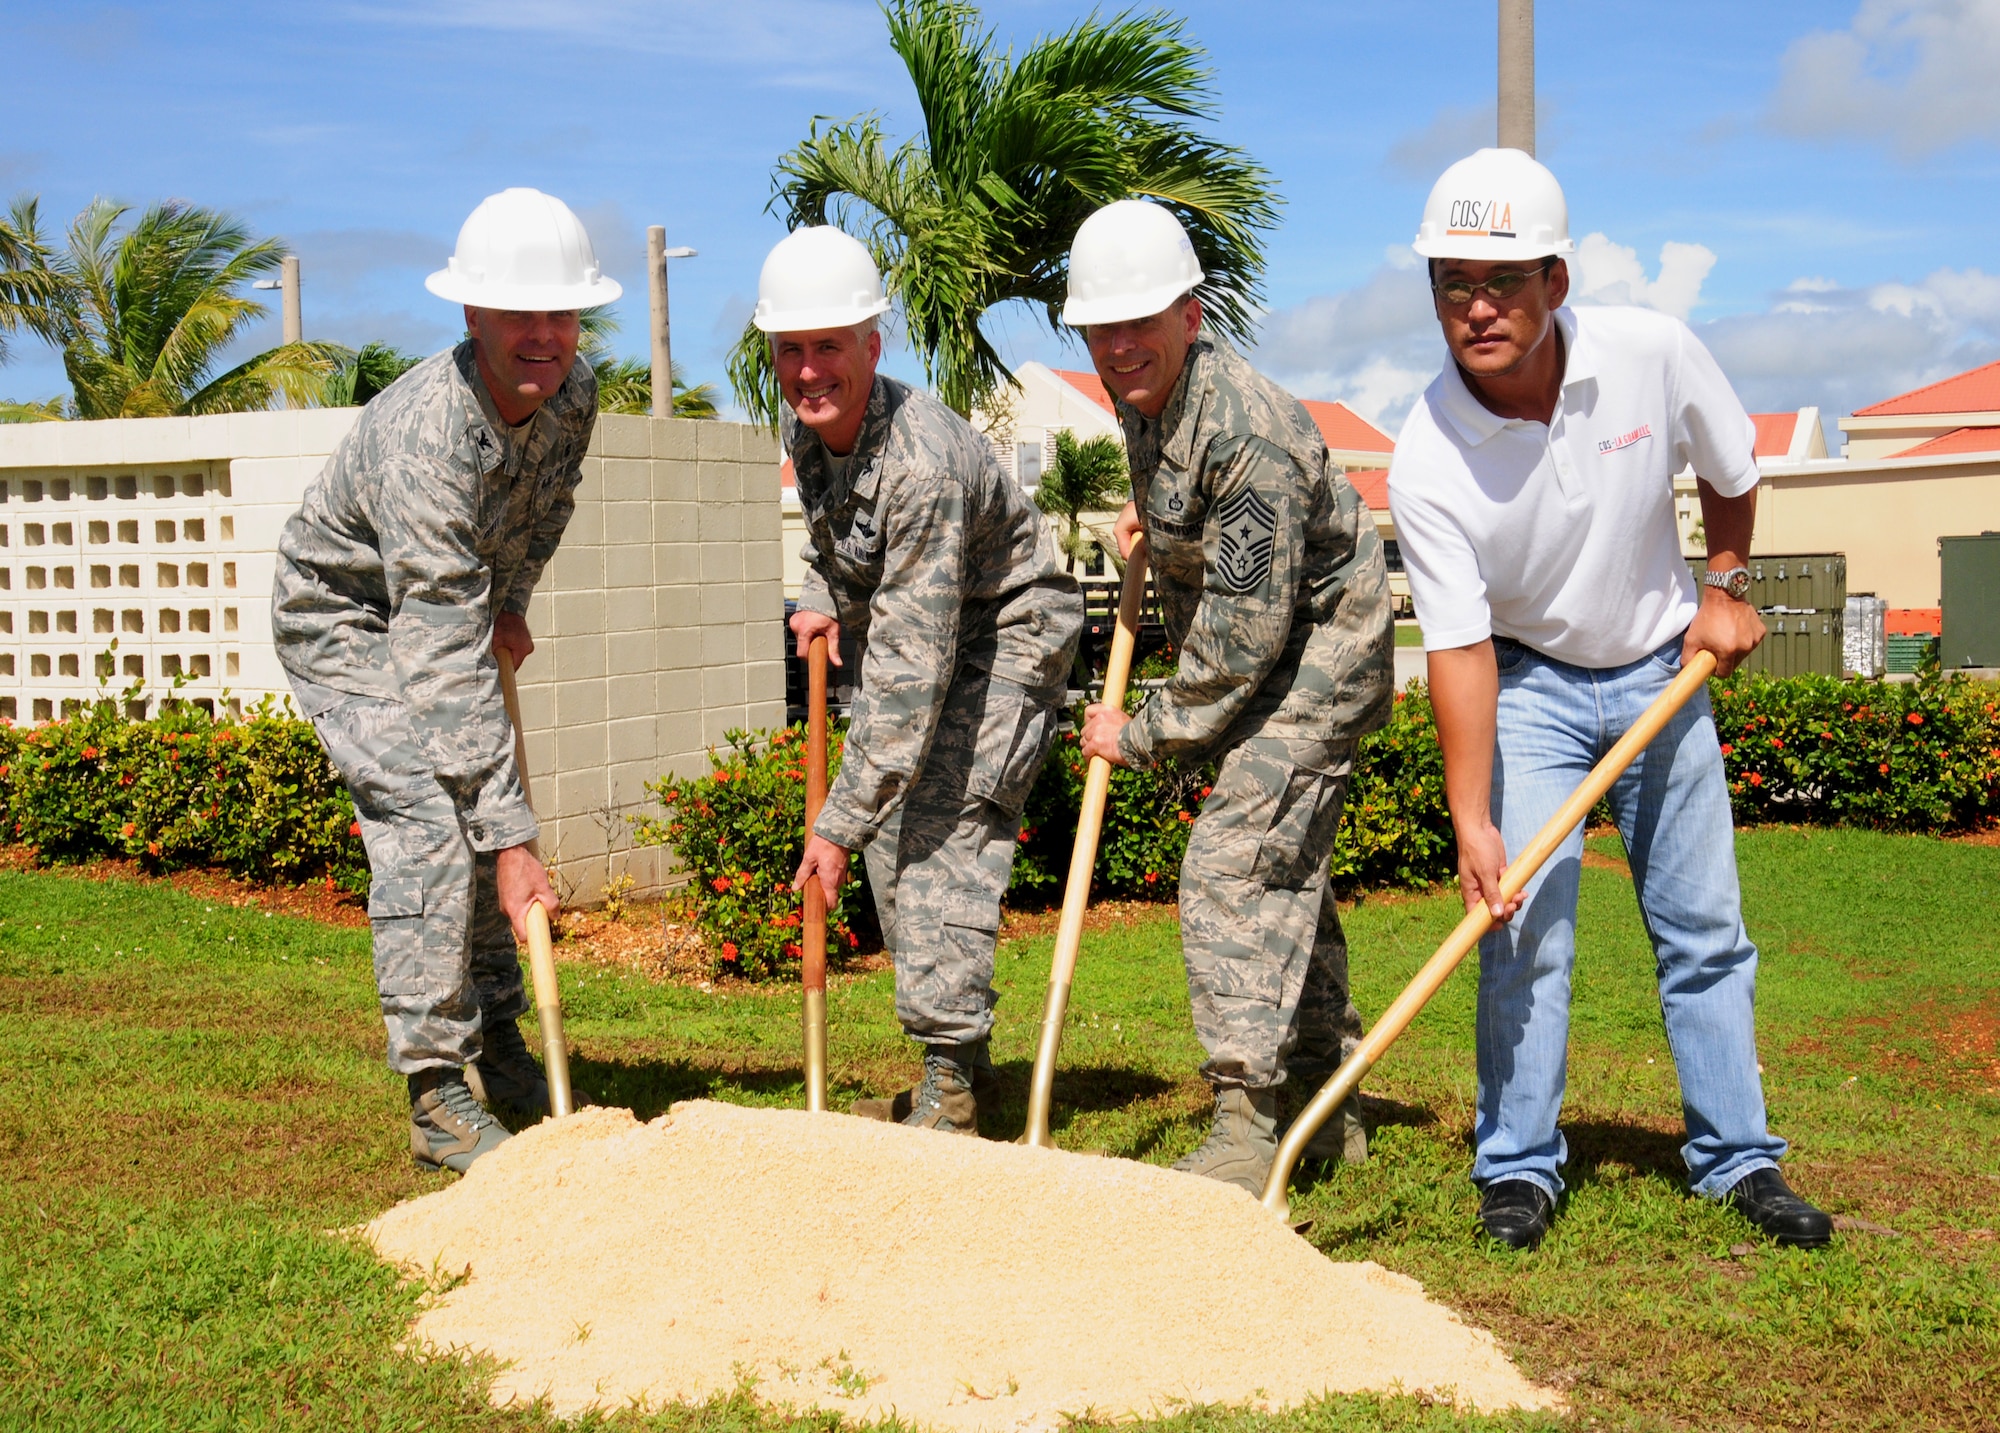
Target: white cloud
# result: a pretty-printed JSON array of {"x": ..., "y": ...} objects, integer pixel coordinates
[
  {"x": 1454, "y": 132},
  {"x": 1844, "y": 348},
  {"x": 784, "y": 42},
  {"x": 1915, "y": 74},
  {"x": 1375, "y": 347},
  {"x": 1607, "y": 273}
]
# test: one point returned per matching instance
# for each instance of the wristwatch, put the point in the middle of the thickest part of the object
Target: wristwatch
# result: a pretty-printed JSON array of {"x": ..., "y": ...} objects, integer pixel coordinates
[{"x": 1736, "y": 581}]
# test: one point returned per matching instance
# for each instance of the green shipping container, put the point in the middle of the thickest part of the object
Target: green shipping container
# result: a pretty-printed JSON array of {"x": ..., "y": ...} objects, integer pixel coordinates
[
  {"x": 1907, "y": 651},
  {"x": 1796, "y": 643},
  {"x": 1802, "y": 582},
  {"x": 1970, "y": 571}
]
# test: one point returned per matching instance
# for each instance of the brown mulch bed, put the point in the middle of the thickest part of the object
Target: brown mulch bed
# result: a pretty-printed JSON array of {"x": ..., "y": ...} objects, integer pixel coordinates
[{"x": 315, "y": 901}]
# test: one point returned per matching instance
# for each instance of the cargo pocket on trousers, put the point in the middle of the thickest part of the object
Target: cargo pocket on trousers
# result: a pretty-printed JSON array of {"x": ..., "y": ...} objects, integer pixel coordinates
[
  {"x": 1272, "y": 839},
  {"x": 1014, "y": 734},
  {"x": 396, "y": 909},
  {"x": 971, "y": 925}
]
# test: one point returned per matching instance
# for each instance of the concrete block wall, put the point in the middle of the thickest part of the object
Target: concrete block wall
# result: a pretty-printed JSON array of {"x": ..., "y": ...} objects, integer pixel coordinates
[
  {"x": 658, "y": 628},
  {"x": 657, "y": 623}
]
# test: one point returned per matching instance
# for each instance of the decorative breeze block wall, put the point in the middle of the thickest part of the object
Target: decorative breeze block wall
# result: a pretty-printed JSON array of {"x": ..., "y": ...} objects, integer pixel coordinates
[{"x": 142, "y": 550}]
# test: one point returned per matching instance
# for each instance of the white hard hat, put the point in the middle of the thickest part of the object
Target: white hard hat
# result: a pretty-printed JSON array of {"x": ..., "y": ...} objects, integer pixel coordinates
[
  {"x": 523, "y": 250},
  {"x": 1129, "y": 260},
  {"x": 1495, "y": 204},
  {"x": 818, "y": 277}
]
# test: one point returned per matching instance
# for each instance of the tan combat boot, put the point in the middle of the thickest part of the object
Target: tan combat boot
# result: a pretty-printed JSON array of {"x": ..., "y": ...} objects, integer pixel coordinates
[
  {"x": 1343, "y": 1139},
  {"x": 947, "y": 1098},
  {"x": 449, "y": 1129},
  {"x": 505, "y": 1073},
  {"x": 1242, "y": 1144}
]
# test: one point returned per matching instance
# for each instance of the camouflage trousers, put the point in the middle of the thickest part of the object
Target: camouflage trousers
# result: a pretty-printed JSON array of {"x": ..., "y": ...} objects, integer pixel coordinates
[
  {"x": 1260, "y": 933},
  {"x": 445, "y": 959},
  {"x": 941, "y": 862}
]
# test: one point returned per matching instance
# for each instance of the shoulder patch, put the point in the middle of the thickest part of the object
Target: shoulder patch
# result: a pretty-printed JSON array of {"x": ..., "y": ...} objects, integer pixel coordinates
[{"x": 1248, "y": 528}]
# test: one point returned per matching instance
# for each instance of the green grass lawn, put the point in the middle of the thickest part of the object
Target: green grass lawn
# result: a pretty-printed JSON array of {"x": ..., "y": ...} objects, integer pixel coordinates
[
  {"x": 195, "y": 1098},
  {"x": 1409, "y": 634}
]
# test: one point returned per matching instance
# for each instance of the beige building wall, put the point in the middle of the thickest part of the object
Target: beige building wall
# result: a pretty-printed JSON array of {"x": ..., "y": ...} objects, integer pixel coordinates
[
  {"x": 1886, "y": 516},
  {"x": 1873, "y": 438},
  {"x": 657, "y": 624}
]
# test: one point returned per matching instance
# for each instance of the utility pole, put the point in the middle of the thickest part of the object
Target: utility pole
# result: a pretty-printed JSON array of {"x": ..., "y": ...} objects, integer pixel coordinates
[
  {"x": 657, "y": 254},
  {"x": 1517, "y": 75},
  {"x": 295, "y": 329},
  {"x": 288, "y": 287}
]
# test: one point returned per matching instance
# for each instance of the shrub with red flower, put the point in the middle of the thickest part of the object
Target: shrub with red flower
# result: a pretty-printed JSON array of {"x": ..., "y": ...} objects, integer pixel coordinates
[
  {"x": 254, "y": 796},
  {"x": 739, "y": 831}
]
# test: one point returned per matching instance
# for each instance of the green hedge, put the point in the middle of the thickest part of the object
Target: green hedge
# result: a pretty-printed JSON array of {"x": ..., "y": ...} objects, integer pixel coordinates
[
  {"x": 254, "y": 796},
  {"x": 1918, "y": 756},
  {"x": 1898, "y": 756}
]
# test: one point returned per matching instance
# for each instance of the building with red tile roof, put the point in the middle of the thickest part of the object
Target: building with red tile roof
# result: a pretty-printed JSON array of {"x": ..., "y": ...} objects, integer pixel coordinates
[
  {"x": 1959, "y": 440},
  {"x": 1897, "y": 427}
]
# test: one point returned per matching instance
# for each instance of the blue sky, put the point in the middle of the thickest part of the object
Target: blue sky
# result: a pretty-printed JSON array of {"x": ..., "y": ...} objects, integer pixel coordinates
[{"x": 1810, "y": 184}]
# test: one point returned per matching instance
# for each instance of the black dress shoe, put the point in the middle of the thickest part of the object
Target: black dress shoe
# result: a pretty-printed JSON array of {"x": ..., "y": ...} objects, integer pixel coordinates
[
  {"x": 1767, "y": 1201},
  {"x": 1516, "y": 1212}
]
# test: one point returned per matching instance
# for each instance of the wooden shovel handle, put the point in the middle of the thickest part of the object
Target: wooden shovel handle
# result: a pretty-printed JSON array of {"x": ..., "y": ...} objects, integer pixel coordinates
[
  {"x": 1396, "y": 1019},
  {"x": 541, "y": 940},
  {"x": 1083, "y": 856},
  {"x": 812, "y": 967}
]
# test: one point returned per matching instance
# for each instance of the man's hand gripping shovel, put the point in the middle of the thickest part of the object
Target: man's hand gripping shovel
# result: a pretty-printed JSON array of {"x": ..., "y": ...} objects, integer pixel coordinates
[
  {"x": 1396, "y": 1019},
  {"x": 541, "y": 941},
  {"x": 1089, "y": 826}
]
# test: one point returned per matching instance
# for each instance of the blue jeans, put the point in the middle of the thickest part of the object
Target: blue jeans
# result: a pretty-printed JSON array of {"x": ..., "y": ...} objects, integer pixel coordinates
[{"x": 1672, "y": 806}]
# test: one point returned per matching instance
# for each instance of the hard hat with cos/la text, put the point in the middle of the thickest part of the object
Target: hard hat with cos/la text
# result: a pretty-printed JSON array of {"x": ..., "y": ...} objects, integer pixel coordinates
[{"x": 1495, "y": 204}]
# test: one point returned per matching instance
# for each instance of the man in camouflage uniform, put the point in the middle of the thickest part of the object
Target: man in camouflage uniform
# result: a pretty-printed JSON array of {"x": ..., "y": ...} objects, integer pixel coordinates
[
  {"x": 919, "y": 544},
  {"x": 410, "y": 560},
  {"x": 1274, "y": 591}
]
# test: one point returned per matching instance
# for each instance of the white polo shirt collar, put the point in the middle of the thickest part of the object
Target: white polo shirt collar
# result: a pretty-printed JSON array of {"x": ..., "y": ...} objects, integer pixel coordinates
[{"x": 1475, "y": 422}]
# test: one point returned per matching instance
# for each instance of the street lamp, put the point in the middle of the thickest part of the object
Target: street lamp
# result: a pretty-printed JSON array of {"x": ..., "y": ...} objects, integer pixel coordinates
[
  {"x": 657, "y": 254},
  {"x": 294, "y": 324}
]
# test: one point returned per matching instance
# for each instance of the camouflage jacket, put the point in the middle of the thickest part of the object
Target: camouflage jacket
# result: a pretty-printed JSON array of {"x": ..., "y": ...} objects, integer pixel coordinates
[
  {"x": 431, "y": 517},
  {"x": 1269, "y": 569},
  {"x": 934, "y": 557}
]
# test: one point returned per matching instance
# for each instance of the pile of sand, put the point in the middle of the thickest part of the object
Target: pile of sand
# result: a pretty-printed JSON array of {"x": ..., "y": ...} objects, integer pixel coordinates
[{"x": 873, "y": 1269}]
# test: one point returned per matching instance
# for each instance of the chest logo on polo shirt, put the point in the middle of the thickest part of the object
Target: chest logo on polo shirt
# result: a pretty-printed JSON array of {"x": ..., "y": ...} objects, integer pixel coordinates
[
  {"x": 1625, "y": 440},
  {"x": 1249, "y": 528}
]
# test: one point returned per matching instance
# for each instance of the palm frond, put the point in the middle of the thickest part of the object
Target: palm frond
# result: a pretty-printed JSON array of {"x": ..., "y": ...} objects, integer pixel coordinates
[
  {"x": 306, "y": 374},
  {"x": 1015, "y": 154},
  {"x": 625, "y": 385},
  {"x": 31, "y": 291},
  {"x": 369, "y": 370},
  {"x": 54, "y": 410}
]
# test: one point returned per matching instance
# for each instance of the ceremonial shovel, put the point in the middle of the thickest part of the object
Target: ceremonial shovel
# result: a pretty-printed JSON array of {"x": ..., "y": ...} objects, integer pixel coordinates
[
  {"x": 1396, "y": 1019},
  {"x": 812, "y": 966},
  {"x": 541, "y": 942},
  {"x": 1089, "y": 826}
]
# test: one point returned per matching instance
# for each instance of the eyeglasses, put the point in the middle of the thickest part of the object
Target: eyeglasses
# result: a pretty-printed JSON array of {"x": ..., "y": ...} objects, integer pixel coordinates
[{"x": 1500, "y": 286}]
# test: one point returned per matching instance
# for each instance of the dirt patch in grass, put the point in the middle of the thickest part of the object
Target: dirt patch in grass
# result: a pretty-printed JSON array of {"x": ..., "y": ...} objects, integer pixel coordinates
[
  {"x": 320, "y": 901},
  {"x": 1099, "y": 917}
]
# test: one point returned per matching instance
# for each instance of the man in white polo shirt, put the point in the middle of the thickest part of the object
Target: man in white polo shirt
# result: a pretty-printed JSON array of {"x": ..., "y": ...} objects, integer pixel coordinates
[{"x": 1532, "y": 489}]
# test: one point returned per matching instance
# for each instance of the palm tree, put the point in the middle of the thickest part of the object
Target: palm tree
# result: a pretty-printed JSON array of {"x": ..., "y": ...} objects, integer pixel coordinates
[
  {"x": 1085, "y": 477},
  {"x": 27, "y": 286},
  {"x": 371, "y": 369},
  {"x": 625, "y": 385},
  {"x": 1015, "y": 154},
  {"x": 142, "y": 316}
]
